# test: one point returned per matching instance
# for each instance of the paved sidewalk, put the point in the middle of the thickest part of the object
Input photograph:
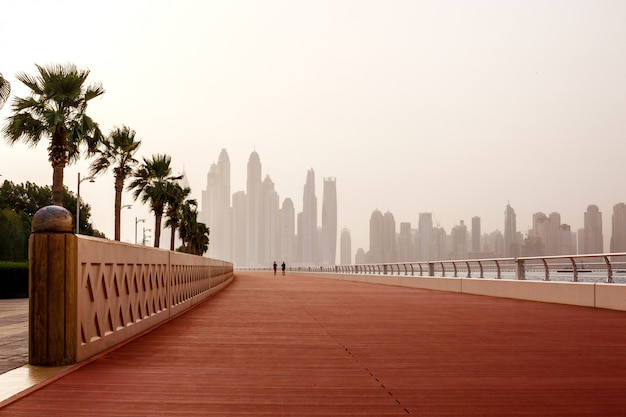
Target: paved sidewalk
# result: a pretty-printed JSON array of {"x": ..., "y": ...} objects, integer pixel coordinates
[
  {"x": 299, "y": 346},
  {"x": 13, "y": 333}
]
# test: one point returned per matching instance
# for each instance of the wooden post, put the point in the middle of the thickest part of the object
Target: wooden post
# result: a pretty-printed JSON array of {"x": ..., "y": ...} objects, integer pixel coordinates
[{"x": 52, "y": 256}]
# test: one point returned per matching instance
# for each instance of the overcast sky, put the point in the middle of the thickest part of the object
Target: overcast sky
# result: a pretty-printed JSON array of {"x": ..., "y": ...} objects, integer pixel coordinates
[{"x": 449, "y": 107}]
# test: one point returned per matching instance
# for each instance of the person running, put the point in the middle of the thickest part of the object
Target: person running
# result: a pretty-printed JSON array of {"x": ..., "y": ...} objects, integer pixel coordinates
[
  {"x": 283, "y": 266},
  {"x": 275, "y": 267}
]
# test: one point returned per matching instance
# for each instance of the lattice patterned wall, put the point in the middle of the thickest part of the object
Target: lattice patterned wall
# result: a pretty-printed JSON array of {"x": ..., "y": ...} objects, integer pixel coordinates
[{"x": 117, "y": 300}]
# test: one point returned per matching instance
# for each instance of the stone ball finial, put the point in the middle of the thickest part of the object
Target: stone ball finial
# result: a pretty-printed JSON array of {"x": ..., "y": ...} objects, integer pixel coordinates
[{"x": 55, "y": 219}]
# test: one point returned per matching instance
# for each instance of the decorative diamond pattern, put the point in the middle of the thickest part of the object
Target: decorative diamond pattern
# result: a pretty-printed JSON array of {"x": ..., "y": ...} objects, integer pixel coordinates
[{"x": 143, "y": 284}]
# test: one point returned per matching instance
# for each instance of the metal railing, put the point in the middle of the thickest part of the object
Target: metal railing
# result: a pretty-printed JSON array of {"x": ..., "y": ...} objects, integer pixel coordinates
[{"x": 607, "y": 267}]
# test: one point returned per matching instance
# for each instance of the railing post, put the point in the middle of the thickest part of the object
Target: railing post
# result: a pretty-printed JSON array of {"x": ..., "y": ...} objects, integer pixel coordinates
[
  {"x": 52, "y": 254},
  {"x": 431, "y": 269},
  {"x": 520, "y": 272}
]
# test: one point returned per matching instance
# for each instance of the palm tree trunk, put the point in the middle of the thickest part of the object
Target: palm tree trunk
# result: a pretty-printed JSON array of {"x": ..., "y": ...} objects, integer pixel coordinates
[
  {"x": 118, "y": 207},
  {"x": 173, "y": 238},
  {"x": 157, "y": 229},
  {"x": 57, "y": 184}
]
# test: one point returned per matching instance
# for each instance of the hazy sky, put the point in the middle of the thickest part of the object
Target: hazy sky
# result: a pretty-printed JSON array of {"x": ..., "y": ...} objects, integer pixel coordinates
[{"x": 450, "y": 107}]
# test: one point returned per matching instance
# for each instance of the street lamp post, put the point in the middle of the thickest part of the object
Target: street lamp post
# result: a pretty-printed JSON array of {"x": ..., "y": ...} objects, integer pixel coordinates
[
  {"x": 90, "y": 178},
  {"x": 137, "y": 221},
  {"x": 143, "y": 242}
]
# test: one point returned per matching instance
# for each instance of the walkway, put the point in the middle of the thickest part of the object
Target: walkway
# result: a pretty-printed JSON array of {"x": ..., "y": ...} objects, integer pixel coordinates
[
  {"x": 299, "y": 346},
  {"x": 13, "y": 333}
]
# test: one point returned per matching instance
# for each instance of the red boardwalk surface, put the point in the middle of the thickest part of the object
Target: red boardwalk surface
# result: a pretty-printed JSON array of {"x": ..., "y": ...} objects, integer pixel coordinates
[{"x": 298, "y": 346}]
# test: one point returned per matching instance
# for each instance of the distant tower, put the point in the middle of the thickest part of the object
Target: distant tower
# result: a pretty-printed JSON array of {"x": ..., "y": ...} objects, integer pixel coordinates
[
  {"x": 539, "y": 235},
  {"x": 375, "y": 253},
  {"x": 389, "y": 238},
  {"x": 476, "y": 234},
  {"x": 406, "y": 251},
  {"x": 239, "y": 228},
  {"x": 345, "y": 247},
  {"x": 288, "y": 231},
  {"x": 618, "y": 233},
  {"x": 329, "y": 222},
  {"x": 593, "y": 240},
  {"x": 308, "y": 232},
  {"x": 253, "y": 210},
  {"x": 216, "y": 211},
  {"x": 270, "y": 235},
  {"x": 511, "y": 247},
  {"x": 458, "y": 236},
  {"x": 425, "y": 237}
]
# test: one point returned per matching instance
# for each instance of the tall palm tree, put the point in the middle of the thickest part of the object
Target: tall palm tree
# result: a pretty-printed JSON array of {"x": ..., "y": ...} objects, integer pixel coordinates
[
  {"x": 56, "y": 109},
  {"x": 151, "y": 184},
  {"x": 176, "y": 195},
  {"x": 117, "y": 149},
  {"x": 5, "y": 90},
  {"x": 194, "y": 234}
]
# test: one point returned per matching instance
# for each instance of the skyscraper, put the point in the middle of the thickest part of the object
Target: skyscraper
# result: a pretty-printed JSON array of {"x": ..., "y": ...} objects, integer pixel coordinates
[
  {"x": 458, "y": 237},
  {"x": 406, "y": 251},
  {"x": 216, "y": 210},
  {"x": 308, "y": 232},
  {"x": 270, "y": 236},
  {"x": 389, "y": 238},
  {"x": 345, "y": 257},
  {"x": 554, "y": 245},
  {"x": 253, "y": 210},
  {"x": 375, "y": 253},
  {"x": 425, "y": 237},
  {"x": 239, "y": 228},
  {"x": 288, "y": 231},
  {"x": 593, "y": 240},
  {"x": 476, "y": 234},
  {"x": 618, "y": 233},
  {"x": 511, "y": 246},
  {"x": 329, "y": 222}
]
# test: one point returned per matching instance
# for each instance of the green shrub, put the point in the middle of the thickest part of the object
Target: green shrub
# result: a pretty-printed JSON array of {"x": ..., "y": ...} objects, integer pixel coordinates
[{"x": 13, "y": 279}]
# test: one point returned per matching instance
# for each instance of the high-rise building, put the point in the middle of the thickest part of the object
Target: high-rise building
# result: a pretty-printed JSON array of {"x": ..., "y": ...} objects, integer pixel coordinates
[
  {"x": 593, "y": 240},
  {"x": 288, "y": 231},
  {"x": 216, "y": 209},
  {"x": 239, "y": 228},
  {"x": 425, "y": 237},
  {"x": 375, "y": 253},
  {"x": 554, "y": 245},
  {"x": 511, "y": 245},
  {"x": 618, "y": 232},
  {"x": 329, "y": 222},
  {"x": 308, "y": 232},
  {"x": 567, "y": 240},
  {"x": 536, "y": 242},
  {"x": 458, "y": 237},
  {"x": 271, "y": 224},
  {"x": 345, "y": 250},
  {"x": 389, "y": 238},
  {"x": 476, "y": 235},
  {"x": 253, "y": 210},
  {"x": 406, "y": 251}
]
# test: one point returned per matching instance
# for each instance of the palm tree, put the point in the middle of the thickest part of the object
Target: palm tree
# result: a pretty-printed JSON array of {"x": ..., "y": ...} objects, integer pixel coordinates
[
  {"x": 117, "y": 149},
  {"x": 176, "y": 195},
  {"x": 56, "y": 109},
  {"x": 151, "y": 183},
  {"x": 194, "y": 234},
  {"x": 5, "y": 90}
]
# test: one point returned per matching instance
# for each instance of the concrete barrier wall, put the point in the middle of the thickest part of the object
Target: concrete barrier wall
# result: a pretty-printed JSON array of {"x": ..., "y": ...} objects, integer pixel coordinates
[
  {"x": 599, "y": 295},
  {"x": 89, "y": 294}
]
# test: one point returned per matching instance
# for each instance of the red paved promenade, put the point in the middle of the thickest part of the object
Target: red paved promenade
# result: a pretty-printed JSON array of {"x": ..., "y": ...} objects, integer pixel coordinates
[{"x": 299, "y": 346}]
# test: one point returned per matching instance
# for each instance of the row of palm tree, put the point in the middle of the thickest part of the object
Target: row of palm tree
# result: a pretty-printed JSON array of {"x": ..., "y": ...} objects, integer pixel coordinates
[{"x": 56, "y": 110}]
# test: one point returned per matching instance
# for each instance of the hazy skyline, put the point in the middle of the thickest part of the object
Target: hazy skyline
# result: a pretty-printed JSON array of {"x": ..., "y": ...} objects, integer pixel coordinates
[{"x": 450, "y": 107}]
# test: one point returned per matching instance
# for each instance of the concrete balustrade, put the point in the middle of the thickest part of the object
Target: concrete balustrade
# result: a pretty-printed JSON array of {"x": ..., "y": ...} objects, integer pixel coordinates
[
  {"x": 586, "y": 294},
  {"x": 89, "y": 294}
]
